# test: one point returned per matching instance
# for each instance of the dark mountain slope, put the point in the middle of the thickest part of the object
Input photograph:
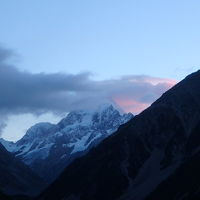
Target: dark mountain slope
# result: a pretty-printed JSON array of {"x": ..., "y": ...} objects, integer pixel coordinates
[
  {"x": 15, "y": 177},
  {"x": 4, "y": 197},
  {"x": 130, "y": 164},
  {"x": 184, "y": 184}
]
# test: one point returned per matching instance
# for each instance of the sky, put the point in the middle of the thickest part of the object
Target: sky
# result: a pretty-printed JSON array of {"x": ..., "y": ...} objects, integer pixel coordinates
[{"x": 61, "y": 55}]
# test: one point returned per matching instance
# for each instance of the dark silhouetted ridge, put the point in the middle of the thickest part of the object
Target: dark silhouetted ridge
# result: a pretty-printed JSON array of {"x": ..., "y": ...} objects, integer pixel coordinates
[
  {"x": 16, "y": 178},
  {"x": 153, "y": 156}
]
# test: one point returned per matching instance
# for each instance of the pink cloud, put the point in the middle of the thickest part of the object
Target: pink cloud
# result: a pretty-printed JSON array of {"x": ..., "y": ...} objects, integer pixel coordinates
[
  {"x": 140, "y": 91},
  {"x": 129, "y": 105}
]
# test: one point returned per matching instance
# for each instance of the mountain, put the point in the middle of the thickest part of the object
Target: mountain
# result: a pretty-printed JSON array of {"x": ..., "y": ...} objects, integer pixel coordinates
[
  {"x": 4, "y": 197},
  {"x": 16, "y": 178},
  {"x": 47, "y": 149},
  {"x": 156, "y": 155},
  {"x": 184, "y": 183}
]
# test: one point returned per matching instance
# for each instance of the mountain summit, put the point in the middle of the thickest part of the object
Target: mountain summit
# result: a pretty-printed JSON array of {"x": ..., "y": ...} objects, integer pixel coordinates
[
  {"x": 156, "y": 155},
  {"x": 47, "y": 149}
]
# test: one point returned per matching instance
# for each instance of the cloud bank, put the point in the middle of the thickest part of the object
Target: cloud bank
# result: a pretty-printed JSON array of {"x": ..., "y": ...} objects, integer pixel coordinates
[{"x": 25, "y": 92}]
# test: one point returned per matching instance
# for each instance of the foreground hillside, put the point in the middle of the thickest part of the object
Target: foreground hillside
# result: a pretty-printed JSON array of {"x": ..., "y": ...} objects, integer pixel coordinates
[{"x": 16, "y": 178}]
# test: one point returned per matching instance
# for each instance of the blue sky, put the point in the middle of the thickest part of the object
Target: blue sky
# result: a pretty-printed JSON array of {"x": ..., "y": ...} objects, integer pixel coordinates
[
  {"x": 107, "y": 37},
  {"x": 116, "y": 41}
]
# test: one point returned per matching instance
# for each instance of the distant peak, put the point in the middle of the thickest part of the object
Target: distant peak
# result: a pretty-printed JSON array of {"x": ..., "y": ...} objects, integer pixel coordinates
[
  {"x": 105, "y": 106},
  {"x": 41, "y": 125},
  {"x": 38, "y": 129},
  {"x": 100, "y": 108}
]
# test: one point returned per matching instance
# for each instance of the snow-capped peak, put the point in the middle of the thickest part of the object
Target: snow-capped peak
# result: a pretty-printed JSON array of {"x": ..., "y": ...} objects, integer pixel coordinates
[
  {"x": 77, "y": 132},
  {"x": 104, "y": 107},
  {"x": 38, "y": 129}
]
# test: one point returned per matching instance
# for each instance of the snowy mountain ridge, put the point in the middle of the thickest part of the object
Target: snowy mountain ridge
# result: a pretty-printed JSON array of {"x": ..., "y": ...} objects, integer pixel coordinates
[{"x": 47, "y": 146}]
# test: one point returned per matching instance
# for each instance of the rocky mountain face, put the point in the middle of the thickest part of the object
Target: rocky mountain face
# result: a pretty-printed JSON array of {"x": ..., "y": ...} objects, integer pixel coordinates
[
  {"x": 47, "y": 149},
  {"x": 156, "y": 155},
  {"x": 16, "y": 178}
]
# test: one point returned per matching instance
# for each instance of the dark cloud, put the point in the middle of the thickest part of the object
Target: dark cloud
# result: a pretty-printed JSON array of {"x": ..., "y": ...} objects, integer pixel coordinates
[{"x": 24, "y": 92}]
